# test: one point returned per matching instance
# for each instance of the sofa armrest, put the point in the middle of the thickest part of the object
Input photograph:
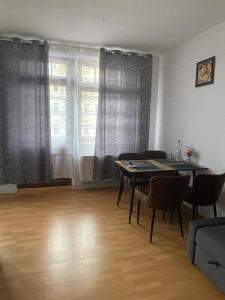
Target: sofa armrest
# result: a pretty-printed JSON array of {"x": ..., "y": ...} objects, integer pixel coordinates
[{"x": 193, "y": 228}]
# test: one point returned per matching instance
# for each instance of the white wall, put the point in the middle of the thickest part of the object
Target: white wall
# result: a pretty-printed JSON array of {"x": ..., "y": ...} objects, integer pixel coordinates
[
  {"x": 154, "y": 100},
  {"x": 196, "y": 115}
]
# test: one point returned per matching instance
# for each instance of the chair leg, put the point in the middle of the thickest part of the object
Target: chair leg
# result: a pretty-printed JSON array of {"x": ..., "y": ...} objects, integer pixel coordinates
[
  {"x": 215, "y": 212},
  {"x": 152, "y": 225},
  {"x": 180, "y": 220},
  {"x": 164, "y": 215},
  {"x": 196, "y": 208},
  {"x": 171, "y": 215},
  {"x": 138, "y": 211},
  {"x": 193, "y": 212},
  {"x": 120, "y": 190}
]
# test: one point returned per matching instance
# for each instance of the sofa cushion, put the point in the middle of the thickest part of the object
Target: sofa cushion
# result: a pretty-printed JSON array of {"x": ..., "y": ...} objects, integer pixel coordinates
[
  {"x": 214, "y": 272},
  {"x": 212, "y": 241}
]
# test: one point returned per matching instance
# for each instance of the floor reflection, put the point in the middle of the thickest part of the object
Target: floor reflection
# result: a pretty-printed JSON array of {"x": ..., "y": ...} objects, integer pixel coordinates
[{"x": 72, "y": 244}]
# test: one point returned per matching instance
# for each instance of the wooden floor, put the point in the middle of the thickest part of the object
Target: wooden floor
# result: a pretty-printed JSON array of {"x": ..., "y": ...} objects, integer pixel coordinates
[{"x": 59, "y": 243}]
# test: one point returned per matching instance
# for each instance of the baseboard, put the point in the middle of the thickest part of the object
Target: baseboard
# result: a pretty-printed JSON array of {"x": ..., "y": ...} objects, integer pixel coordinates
[
  {"x": 97, "y": 185},
  {"x": 8, "y": 188},
  {"x": 53, "y": 183}
]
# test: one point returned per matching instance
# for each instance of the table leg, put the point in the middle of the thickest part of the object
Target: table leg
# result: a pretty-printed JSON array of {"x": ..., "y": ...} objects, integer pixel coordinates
[
  {"x": 132, "y": 196},
  {"x": 121, "y": 188}
]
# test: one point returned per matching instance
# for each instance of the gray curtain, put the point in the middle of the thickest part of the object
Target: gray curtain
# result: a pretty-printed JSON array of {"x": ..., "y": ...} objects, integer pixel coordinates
[
  {"x": 24, "y": 112},
  {"x": 123, "y": 109}
]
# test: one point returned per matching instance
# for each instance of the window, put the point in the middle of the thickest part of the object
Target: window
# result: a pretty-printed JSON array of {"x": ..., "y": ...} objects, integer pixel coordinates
[
  {"x": 58, "y": 69},
  {"x": 73, "y": 102},
  {"x": 88, "y": 74},
  {"x": 58, "y": 103}
]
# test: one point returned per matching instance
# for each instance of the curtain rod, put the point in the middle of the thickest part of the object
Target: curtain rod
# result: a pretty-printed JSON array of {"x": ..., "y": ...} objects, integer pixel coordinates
[
  {"x": 126, "y": 53},
  {"x": 10, "y": 39},
  {"x": 72, "y": 44},
  {"x": 26, "y": 39}
]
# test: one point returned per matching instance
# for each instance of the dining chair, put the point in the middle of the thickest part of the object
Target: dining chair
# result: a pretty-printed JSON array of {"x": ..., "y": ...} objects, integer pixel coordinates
[
  {"x": 205, "y": 192},
  {"x": 166, "y": 193},
  {"x": 154, "y": 154},
  {"x": 158, "y": 154},
  {"x": 141, "y": 180}
]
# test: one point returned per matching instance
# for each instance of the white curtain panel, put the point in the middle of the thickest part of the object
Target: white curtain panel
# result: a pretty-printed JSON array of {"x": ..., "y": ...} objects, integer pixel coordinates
[{"x": 74, "y": 85}]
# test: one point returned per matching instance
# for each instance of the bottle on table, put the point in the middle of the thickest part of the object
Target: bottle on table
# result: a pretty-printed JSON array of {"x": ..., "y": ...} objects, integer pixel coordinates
[{"x": 179, "y": 150}]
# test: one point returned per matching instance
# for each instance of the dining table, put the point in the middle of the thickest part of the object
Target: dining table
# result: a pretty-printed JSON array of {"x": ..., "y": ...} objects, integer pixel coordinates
[{"x": 153, "y": 167}]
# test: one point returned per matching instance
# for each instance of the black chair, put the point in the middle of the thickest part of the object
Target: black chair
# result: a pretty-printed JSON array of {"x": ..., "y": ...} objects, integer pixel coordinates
[
  {"x": 130, "y": 156},
  {"x": 166, "y": 193},
  {"x": 141, "y": 180},
  {"x": 154, "y": 154},
  {"x": 205, "y": 191},
  {"x": 158, "y": 154}
]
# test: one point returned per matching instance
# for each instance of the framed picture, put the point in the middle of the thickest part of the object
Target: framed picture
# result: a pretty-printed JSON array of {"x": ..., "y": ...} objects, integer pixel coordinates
[{"x": 205, "y": 72}]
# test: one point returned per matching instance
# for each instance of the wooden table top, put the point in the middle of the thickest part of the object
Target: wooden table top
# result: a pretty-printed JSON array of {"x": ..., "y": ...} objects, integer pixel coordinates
[{"x": 157, "y": 165}]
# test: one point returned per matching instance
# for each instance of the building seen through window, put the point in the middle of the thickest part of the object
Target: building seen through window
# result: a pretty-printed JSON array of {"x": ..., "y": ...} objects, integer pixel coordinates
[{"x": 74, "y": 95}]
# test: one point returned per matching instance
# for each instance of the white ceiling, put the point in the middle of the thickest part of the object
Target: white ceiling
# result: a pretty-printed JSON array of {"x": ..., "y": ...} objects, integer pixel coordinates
[{"x": 151, "y": 25}]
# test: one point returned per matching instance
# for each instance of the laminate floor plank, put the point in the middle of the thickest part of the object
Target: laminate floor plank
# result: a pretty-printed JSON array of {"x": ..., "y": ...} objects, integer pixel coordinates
[{"x": 60, "y": 243}]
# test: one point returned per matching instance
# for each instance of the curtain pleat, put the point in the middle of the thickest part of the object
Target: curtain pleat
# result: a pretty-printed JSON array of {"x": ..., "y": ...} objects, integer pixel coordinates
[
  {"x": 24, "y": 113},
  {"x": 123, "y": 109}
]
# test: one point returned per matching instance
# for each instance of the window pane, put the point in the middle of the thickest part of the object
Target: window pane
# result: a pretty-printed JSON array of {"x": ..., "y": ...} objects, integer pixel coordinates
[
  {"x": 74, "y": 92},
  {"x": 58, "y": 116},
  {"x": 89, "y": 74},
  {"x": 57, "y": 91},
  {"x": 88, "y": 118},
  {"x": 57, "y": 68}
]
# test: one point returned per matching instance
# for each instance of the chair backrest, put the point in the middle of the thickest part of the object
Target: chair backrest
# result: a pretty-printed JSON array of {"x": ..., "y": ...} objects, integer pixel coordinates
[
  {"x": 130, "y": 156},
  {"x": 206, "y": 189},
  {"x": 167, "y": 192},
  {"x": 153, "y": 154}
]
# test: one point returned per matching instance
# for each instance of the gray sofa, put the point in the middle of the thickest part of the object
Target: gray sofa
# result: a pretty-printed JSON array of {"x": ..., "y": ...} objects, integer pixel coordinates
[{"x": 206, "y": 248}]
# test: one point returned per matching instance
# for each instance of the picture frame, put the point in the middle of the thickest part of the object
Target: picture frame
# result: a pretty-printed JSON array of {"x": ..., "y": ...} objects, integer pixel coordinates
[{"x": 205, "y": 70}]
